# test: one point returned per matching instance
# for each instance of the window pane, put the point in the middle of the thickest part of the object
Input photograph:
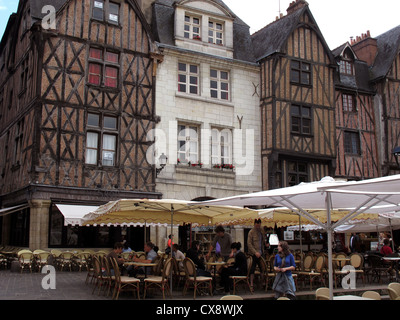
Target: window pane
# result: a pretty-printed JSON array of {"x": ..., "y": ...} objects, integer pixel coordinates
[
  {"x": 92, "y": 140},
  {"x": 114, "y": 12},
  {"x": 193, "y": 90},
  {"x": 111, "y": 77},
  {"x": 214, "y": 84},
  {"x": 193, "y": 69},
  {"x": 224, "y": 96},
  {"x": 110, "y": 123},
  {"x": 214, "y": 94},
  {"x": 98, "y": 10},
  {"x": 224, "y": 75},
  {"x": 112, "y": 57},
  {"x": 94, "y": 74},
  {"x": 224, "y": 86},
  {"x": 213, "y": 73},
  {"x": 109, "y": 142},
  {"x": 93, "y": 119},
  {"x": 91, "y": 156},
  {"x": 96, "y": 53},
  {"x": 182, "y": 67}
]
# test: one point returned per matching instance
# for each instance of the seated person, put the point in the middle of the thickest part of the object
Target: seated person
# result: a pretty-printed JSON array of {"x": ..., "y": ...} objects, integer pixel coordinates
[
  {"x": 177, "y": 254},
  {"x": 239, "y": 267},
  {"x": 115, "y": 254},
  {"x": 193, "y": 254},
  {"x": 386, "y": 250},
  {"x": 151, "y": 256}
]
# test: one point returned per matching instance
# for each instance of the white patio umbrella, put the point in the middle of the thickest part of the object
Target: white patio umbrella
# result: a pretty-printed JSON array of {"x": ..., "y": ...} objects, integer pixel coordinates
[{"x": 373, "y": 196}]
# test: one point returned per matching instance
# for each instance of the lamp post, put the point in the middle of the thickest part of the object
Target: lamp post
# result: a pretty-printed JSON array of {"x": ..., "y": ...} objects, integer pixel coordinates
[
  {"x": 396, "y": 153},
  {"x": 163, "y": 162}
]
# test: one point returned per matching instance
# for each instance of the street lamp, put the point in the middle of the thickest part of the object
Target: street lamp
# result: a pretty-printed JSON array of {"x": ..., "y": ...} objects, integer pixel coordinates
[
  {"x": 163, "y": 162},
  {"x": 396, "y": 153}
]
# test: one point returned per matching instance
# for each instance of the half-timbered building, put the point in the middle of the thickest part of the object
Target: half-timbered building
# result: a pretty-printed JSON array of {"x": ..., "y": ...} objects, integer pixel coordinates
[
  {"x": 77, "y": 99},
  {"x": 297, "y": 99},
  {"x": 385, "y": 76},
  {"x": 356, "y": 139}
]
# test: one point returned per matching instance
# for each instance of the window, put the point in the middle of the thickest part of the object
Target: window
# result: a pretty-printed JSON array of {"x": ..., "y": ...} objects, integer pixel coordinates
[
  {"x": 297, "y": 172},
  {"x": 352, "y": 142},
  {"x": 300, "y": 72},
  {"x": 215, "y": 33},
  {"x": 103, "y": 62},
  {"x": 102, "y": 8},
  {"x": 346, "y": 64},
  {"x": 301, "y": 120},
  {"x": 102, "y": 131},
  {"x": 18, "y": 141},
  {"x": 221, "y": 146},
  {"x": 24, "y": 74},
  {"x": 188, "y": 78},
  {"x": 192, "y": 28},
  {"x": 188, "y": 143},
  {"x": 349, "y": 103},
  {"x": 219, "y": 84}
]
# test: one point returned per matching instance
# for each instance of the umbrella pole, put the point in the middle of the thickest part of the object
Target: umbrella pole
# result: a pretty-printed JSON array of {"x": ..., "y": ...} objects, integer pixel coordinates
[
  {"x": 301, "y": 245},
  {"x": 172, "y": 237},
  {"x": 329, "y": 230}
]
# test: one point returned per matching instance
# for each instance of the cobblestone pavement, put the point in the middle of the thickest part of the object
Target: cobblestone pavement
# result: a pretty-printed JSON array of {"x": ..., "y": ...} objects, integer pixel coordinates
[{"x": 71, "y": 286}]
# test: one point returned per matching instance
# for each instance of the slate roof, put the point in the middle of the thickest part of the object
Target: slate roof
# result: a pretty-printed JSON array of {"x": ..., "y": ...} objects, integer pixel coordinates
[
  {"x": 362, "y": 73},
  {"x": 163, "y": 29},
  {"x": 272, "y": 38},
  {"x": 388, "y": 47}
]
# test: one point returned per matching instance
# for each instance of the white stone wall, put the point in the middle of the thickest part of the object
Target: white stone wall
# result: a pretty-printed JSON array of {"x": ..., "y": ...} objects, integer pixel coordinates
[{"x": 187, "y": 183}]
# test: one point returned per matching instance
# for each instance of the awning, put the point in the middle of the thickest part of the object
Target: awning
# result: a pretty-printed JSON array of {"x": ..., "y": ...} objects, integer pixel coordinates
[
  {"x": 73, "y": 214},
  {"x": 6, "y": 211}
]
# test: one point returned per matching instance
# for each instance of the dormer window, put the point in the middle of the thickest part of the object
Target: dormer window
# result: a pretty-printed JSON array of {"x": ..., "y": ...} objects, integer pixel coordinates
[
  {"x": 346, "y": 64},
  {"x": 215, "y": 33},
  {"x": 192, "y": 28}
]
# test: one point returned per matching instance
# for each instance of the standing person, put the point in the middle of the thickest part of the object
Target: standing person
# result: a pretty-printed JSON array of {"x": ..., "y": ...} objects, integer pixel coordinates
[
  {"x": 222, "y": 243},
  {"x": 354, "y": 242},
  {"x": 255, "y": 244},
  {"x": 239, "y": 267},
  {"x": 284, "y": 265},
  {"x": 169, "y": 245}
]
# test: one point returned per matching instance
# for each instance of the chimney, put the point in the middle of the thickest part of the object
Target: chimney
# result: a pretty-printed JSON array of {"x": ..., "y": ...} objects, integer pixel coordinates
[
  {"x": 296, "y": 5},
  {"x": 365, "y": 47}
]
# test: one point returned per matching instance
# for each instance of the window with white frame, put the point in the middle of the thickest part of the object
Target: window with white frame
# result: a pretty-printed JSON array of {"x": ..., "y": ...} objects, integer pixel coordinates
[
  {"x": 192, "y": 28},
  {"x": 221, "y": 146},
  {"x": 188, "y": 78},
  {"x": 219, "y": 84},
  {"x": 188, "y": 143},
  {"x": 215, "y": 32},
  {"x": 101, "y": 139},
  {"x": 349, "y": 104}
]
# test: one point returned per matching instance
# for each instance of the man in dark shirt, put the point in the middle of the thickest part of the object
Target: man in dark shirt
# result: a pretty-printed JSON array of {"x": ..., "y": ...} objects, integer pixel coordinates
[{"x": 193, "y": 254}]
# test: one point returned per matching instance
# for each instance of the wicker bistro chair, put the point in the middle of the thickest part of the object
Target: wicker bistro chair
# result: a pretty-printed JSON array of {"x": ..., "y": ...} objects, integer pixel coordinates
[
  {"x": 42, "y": 259},
  {"x": 162, "y": 281},
  {"x": 245, "y": 279},
  {"x": 372, "y": 295},
  {"x": 315, "y": 273},
  {"x": 322, "y": 294},
  {"x": 66, "y": 260},
  {"x": 192, "y": 278},
  {"x": 3, "y": 261},
  {"x": 357, "y": 261},
  {"x": 26, "y": 260},
  {"x": 97, "y": 274},
  {"x": 394, "y": 290},
  {"x": 124, "y": 283},
  {"x": 108, "y": 275}
]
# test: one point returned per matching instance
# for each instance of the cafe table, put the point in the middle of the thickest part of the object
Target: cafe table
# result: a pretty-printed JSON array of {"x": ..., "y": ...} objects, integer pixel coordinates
[
  {"x": 395, "y": 264},
  {"x": 350, "y": 297},
  {"x": 341, "y": 260},
  {"x": 214, "y": 265},
  {"x": 141, "y": 264}
]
